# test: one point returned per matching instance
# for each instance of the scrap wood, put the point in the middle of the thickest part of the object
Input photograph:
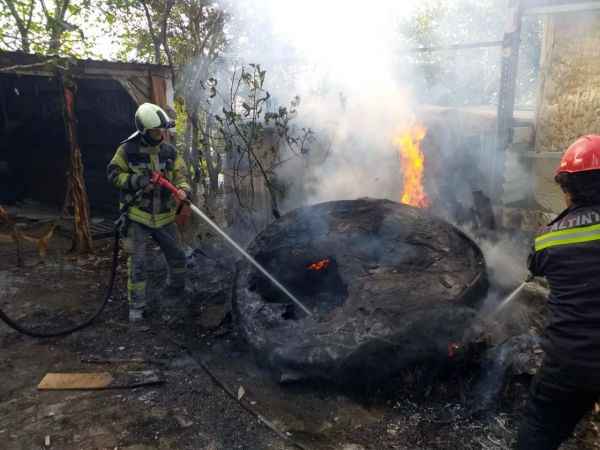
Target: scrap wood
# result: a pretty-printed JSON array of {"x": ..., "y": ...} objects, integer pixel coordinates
[{"x": 99, "y": 380}]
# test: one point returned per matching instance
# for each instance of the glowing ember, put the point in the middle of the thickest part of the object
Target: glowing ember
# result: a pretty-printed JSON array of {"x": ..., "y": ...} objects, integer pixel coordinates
[
  {"x": 413, "y": 164},
  {"x": 319, "y": 265},
  {"x": 453, "y": 349}
]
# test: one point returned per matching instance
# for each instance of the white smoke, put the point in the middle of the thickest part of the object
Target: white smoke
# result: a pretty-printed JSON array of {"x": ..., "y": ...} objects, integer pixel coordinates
[
  {"x": 347, "y": 60},
  {"x": 340, "y": 58}
]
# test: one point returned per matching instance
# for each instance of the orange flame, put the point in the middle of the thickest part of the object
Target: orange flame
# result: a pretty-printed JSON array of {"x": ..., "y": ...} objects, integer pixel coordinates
[
  {"x": 319, "y": 265},
  {"x": 413, "y": 164}
]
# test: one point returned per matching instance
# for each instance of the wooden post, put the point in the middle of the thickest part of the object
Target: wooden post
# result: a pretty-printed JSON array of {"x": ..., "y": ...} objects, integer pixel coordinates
[
  {"x": 506, "y": 94},
  {"x": 76, "y": 191}
]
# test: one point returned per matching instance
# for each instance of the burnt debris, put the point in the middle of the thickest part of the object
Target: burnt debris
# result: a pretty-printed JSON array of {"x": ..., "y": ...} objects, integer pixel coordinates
[{"x": 389, "y": 286}]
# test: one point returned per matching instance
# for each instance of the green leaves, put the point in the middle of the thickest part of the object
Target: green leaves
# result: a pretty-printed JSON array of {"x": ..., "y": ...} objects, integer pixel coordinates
[{"x": 47, "y": 26}]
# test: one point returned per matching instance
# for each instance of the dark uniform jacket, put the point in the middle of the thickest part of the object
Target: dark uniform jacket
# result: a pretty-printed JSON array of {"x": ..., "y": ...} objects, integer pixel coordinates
[
  {"x": 567, "y": 253},
  {"x": 131, "y": 161}
]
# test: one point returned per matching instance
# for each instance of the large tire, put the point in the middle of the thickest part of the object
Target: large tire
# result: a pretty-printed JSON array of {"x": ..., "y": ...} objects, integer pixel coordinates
[{"x": 400, "y": 287}]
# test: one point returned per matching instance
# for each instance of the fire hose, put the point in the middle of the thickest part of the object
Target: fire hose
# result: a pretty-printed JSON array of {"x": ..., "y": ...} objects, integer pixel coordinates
[
  {"x": 121, "y": 226},
  {"x": 159, "y": 180},
  {"x": 107, "y": 296}
]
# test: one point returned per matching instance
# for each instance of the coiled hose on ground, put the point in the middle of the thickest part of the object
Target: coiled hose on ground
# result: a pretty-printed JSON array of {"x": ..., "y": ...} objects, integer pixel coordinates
[{"x": 37, "y": 334}]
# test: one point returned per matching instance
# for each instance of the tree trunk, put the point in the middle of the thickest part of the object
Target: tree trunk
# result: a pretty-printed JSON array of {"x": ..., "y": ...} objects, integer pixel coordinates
[
  {"x": 21, "y": 26},
  {"x": 55, "y": 26},
  {"x": 152, "y": 31},
  {"x": 25, "y": 42},
  {"x": 76, "y": 191}
]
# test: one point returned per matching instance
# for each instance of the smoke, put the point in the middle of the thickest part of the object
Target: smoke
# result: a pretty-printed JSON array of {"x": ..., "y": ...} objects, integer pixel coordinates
[
  {"x": 359, "y": 86},
  {"x": 349, "y": 63},
  {"x": 340, "y": 57},
  {"x": 507, "y": 261}
]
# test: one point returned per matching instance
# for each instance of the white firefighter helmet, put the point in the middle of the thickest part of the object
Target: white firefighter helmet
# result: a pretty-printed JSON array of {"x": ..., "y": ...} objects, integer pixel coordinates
[{"x": 149, "y": 116}]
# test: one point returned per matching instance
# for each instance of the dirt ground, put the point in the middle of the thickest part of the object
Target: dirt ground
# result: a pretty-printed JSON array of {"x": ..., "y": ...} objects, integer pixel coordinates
[{"x": 214, "y": 396}]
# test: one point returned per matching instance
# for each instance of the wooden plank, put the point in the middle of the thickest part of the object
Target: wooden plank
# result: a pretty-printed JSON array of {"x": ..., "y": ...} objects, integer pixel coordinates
[
  {"x": 98, "y": 380},
  {"x": 61, "y": 381},
  {"x": 158, "y": 91}
]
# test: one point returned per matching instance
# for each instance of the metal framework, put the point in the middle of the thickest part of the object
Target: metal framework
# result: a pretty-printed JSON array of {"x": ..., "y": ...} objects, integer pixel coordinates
[
  {"x": 510, "y": 45},
  {"x": 510, "y": 61}
]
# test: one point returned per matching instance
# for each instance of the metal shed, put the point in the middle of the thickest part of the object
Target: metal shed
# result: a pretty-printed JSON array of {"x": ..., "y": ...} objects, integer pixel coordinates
[{"x": 36, "y": 138}]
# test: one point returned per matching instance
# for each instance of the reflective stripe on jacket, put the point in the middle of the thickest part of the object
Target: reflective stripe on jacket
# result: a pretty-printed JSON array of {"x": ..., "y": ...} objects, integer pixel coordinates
[
  {"x": 132, "y": 161},
  {"x": 567, "y": 253}
]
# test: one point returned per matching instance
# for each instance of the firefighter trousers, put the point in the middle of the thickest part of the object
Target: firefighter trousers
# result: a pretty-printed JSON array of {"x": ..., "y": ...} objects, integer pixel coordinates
[
  {"x": 137, "y": 263},
  {"x": 560, "y": 396}
]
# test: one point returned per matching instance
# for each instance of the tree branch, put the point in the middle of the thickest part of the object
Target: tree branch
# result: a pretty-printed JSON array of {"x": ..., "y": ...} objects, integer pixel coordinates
[
  {"x": 23, "y": 30},
  {"x": 155, "y": 39}
]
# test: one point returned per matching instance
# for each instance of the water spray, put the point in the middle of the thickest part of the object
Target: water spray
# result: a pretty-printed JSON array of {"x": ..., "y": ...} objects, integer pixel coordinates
[
  {"x": 511, "y": 296},
  {"x": 158, "y": 179}
]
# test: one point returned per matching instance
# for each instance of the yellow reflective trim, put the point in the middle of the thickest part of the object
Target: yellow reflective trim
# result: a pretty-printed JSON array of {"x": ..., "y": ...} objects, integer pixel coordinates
[
  {"x": 160, "y": 221},
  {"x": 573, "y": 236},
  {"x": 154, "y": 161},
  {"x": 136, "y": 287},
  {"x": 178, "y": 270},
  {"x": 119, "y": 159},
  {"x": 121, "y": 180},
  {"x": 150, "y": 220},
  {"x": 568, "y": 231}
]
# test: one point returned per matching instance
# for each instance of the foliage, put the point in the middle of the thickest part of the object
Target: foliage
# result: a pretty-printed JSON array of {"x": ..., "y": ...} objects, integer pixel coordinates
[
  {"x": 45, "y": 26},
  {"x": 187, "y": 36},
  {"x": 252, "y": 134}
]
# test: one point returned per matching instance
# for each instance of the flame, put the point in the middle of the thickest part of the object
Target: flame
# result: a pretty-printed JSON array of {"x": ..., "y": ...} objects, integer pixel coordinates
[
  {"x": 319, "y": 265},
  {"x": 413, "y": 163}
]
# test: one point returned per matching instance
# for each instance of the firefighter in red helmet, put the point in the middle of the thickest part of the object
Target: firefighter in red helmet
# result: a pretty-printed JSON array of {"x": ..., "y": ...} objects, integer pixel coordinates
[{"x": 567, "y": 254}]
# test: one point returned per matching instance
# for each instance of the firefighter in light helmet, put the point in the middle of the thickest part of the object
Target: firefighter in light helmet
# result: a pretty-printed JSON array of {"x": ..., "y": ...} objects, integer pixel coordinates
[
  {"x": 567, "y": 253},
  {"x": 150, "y": 120},
  {"x": 151, "y": 209}
]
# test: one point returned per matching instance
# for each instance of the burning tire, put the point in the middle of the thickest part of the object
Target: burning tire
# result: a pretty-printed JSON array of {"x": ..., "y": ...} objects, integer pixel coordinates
[{"x": 389, "y": 286}]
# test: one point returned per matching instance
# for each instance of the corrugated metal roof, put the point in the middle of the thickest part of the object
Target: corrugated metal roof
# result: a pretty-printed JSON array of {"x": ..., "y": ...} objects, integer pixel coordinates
[{"x": 18, "y": 62}]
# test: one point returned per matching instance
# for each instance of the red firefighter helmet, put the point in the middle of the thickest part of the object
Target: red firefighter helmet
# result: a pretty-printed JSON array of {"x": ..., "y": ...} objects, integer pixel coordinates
[{"x": 582, "y": 155}]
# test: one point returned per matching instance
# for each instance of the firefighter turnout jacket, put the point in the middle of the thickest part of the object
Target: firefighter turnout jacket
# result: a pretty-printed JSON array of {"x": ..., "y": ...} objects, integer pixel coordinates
[
  {"x": 567, "y": 254},
  {"x": 133, "y": 161}
]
